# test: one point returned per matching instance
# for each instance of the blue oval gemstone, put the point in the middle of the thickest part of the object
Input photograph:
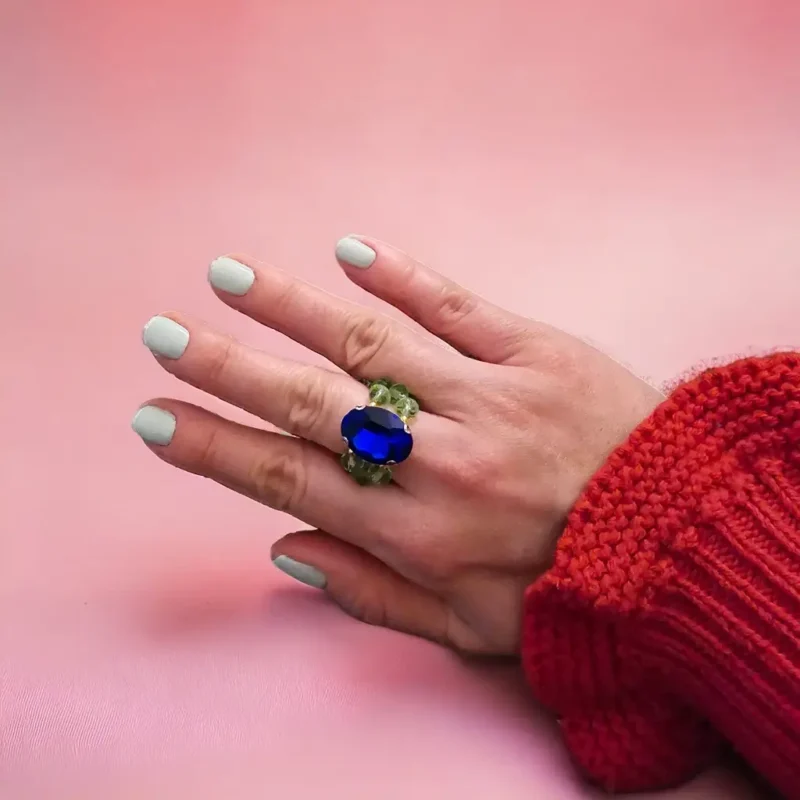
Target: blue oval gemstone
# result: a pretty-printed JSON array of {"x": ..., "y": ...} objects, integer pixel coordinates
[{"x": 377, "y": 435}]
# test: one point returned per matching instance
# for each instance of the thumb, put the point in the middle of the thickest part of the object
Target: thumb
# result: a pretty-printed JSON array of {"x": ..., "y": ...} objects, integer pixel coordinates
[{"x": 362, "y": 585}]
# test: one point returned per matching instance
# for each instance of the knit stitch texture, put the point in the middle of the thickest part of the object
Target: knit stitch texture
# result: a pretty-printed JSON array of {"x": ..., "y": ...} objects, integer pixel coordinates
[{"x": 669, "y": 625}]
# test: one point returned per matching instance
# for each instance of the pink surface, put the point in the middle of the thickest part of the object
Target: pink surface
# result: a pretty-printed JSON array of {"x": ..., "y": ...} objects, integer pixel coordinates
[{"x": 631, "y": 174}]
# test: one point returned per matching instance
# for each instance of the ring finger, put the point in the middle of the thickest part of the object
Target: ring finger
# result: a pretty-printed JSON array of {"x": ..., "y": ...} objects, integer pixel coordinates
[{"x": 290, "y": 475}]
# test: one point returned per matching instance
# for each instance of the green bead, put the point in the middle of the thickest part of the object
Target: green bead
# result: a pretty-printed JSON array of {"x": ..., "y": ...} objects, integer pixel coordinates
[
  {"x": 387, "y": 382},
  {"x": 384, "y": 476},
  {"x": 361, "y": 479},
  {"x": 379, "y": 394},
  {"x": 397, "y": 392},
  {"x": 353, "y": 464},
  {"x": 363, "y": 472},
  {"x": 372, "y": 478},
  {"x": 407, "y": 407}
]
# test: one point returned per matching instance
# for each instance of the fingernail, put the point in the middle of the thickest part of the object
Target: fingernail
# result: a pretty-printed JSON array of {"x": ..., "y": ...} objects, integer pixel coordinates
[
  {"x": 154, "y": 425},
  {"x": 228, "y": 275},
  {"x": 354, "y": 252},
  {"x": 165, "y": 338},
  {"x": 304, "y": 573}
]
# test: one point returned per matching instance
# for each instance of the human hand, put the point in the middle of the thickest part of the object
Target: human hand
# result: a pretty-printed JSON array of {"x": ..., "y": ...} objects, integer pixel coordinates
[{"x": 516, "y": 417}]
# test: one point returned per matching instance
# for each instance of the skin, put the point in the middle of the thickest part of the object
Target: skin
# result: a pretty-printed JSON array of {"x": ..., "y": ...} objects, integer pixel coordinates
[{"x": 516, "y": 417}]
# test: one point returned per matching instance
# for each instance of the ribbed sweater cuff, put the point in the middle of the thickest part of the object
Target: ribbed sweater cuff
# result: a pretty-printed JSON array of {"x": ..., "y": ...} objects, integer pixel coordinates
[{"x": 671, "y": 617}]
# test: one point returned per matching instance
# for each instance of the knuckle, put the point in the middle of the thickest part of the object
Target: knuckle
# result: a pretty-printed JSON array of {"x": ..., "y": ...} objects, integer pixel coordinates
[
  {"x": 517, "y": 406},
  {"x": 208, "y": 456},
  {"x": 474, "y": 473},
  {"x": 563, "y": 379},
  {"x": 442, "y": 573},
  {"x": 410, "y": 277},
  {"x": 364, "y": 337},
  {"x": 430, "y": 552},
  {"x": 474, "y": 476},
  {"x": 368, "y": 605},
  {"x": 284, "y": 293},
  {"x": 438, "y": 568},
  {"x": 308, "y": 398},
  {"x": 560, "y": 362},
  {"x": 517, "y": 403},
  {"x": 220, "y": 362},
  {"x": 279, "y": 479},
  {"x": 454, "y": 306},
  {"x": 561, "y": 356}
]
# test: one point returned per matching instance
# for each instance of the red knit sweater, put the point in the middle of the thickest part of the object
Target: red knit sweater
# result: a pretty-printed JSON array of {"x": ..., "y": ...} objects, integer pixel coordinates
[{"x": 670, "y": 621}]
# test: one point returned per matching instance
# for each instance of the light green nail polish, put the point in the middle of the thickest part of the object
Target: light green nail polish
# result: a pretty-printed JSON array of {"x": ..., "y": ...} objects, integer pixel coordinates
[
  {"x": 355, "y": 253},
  {"x": 154, "y": 425},
  {"x": 304, "y": 573},
  {"x": 164, "y": 337},
  {"x": 228, "y": 275}
]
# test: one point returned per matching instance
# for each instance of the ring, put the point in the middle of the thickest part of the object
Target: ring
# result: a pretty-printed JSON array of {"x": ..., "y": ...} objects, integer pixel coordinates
[{"x": 377, "y": 435}]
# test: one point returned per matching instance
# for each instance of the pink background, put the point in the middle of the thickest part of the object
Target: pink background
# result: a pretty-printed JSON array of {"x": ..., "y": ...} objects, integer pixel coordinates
[{"x": 629, "y": 171}]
